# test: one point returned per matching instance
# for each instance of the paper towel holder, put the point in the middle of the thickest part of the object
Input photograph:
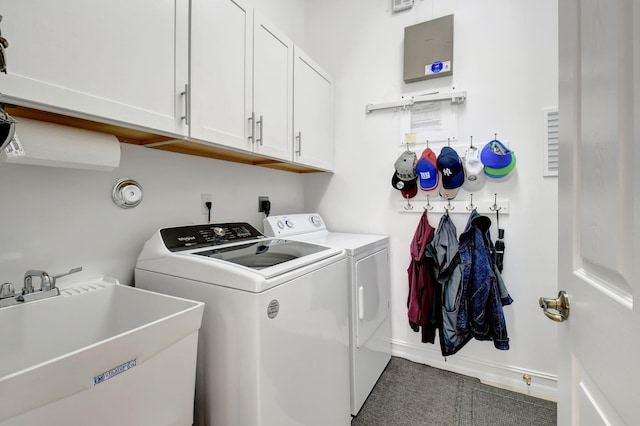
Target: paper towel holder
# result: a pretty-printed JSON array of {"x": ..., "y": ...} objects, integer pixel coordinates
[{"x": 127, "y": 193}]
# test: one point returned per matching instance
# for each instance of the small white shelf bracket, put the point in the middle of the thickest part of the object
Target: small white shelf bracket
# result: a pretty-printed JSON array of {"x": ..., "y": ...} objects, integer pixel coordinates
[{"x": 456, "y": 97}]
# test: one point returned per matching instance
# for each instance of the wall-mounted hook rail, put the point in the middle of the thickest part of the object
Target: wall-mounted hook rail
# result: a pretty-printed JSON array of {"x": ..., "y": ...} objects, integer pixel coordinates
[{"x": 419, "y": 204}]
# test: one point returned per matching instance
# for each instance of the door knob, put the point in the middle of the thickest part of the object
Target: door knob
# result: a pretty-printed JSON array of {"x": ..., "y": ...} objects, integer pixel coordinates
[{"x": 561, "y": 305}]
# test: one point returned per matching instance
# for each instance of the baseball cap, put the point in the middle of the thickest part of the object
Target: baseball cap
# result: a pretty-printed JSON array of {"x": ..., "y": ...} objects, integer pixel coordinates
[
  {"x": 406, "y": 165},
  {"x": 474, "y": 170},
  {"x": 451, "y": 172},
  {"x": 501, "y": 172},
  {"x": 405, "y": 178},
  {"x": 409, "y": 188},
  {"x": 495, "y": 155},
  {"x": 427, "y": 170}
]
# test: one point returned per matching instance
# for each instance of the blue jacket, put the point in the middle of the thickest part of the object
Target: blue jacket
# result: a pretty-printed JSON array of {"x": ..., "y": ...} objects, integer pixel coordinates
[{"x": 480, "y": 312}]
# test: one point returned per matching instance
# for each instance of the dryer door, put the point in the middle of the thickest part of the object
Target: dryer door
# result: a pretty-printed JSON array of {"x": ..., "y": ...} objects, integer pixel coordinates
[{"x": 371, "y": 294}]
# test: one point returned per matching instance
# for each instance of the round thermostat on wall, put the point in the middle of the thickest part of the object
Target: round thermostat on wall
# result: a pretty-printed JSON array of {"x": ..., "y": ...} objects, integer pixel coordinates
[{"x": 127, "y": 193}]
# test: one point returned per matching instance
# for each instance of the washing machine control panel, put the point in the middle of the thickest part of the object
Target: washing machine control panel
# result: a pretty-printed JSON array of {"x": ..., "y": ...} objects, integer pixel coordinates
[{"x": 196, "y": 236}]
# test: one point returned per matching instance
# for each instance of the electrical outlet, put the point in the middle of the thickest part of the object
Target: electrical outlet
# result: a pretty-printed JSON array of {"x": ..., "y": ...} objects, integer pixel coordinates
[
  {"x": 203, "y": 199},
  {"x": 260, "y": 200}
]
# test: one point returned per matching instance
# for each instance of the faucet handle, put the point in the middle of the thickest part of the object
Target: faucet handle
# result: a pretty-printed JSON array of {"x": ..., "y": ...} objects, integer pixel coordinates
[
  {"x": 6, "y": 291},
  {"x": 51, "y": 282}
]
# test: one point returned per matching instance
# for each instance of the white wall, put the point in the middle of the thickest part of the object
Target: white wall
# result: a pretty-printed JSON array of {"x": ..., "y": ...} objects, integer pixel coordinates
[
  {"x": 505, "y": 57},
  {"x": 55, "y": 219}
]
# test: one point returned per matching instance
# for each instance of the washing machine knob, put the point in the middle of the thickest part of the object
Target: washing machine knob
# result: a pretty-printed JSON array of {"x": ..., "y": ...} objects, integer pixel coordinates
[
  {"x": 280, "y": 224},
  {"x": 315, "y": 221},
  {"x": 288, "y": 223}
]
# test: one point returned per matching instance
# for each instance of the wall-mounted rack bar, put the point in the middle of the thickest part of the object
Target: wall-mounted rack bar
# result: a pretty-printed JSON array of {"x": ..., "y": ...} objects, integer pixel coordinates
[
  {"x": 456, "y": 97},
  {"x": 454, "y": 206}
]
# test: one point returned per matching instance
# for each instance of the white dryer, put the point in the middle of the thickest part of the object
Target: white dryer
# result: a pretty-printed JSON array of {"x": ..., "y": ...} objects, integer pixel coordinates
[
  {"x": 274, "y": 341},
  {"x": 369, "y": 293}
]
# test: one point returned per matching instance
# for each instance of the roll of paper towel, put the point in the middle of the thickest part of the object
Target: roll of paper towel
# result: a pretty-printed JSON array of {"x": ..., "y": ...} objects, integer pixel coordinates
[{"x": 47, "y": 144}]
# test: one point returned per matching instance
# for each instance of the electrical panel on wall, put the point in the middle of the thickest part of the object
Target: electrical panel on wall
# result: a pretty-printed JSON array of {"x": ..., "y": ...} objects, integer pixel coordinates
[
  {"x": 399, "y": 5},
  {"x": 428, "y": 49}
]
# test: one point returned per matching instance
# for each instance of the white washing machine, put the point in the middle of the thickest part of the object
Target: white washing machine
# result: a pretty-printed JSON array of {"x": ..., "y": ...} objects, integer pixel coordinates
[
  {"x": 369, "y": 289},
  {"x": 274, "y": 342}
]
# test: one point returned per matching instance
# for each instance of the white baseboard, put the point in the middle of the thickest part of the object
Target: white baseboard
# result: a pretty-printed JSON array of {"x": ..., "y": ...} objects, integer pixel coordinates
[{"x": 543, "y": 385}]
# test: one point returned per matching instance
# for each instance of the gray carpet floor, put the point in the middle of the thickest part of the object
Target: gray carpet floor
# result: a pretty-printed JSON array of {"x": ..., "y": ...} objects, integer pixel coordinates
[{"x": 411, "y": 394}]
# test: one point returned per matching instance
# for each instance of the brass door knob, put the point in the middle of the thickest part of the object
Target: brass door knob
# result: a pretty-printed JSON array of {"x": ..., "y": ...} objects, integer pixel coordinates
[{"x": 561, "y": 305}]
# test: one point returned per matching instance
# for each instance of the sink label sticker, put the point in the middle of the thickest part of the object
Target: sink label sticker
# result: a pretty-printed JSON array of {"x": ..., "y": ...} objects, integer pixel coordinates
[{"x": 114, "y": 371}]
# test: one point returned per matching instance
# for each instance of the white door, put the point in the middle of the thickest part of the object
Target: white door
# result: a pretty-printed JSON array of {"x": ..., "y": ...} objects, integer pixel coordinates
[
  {"x": 272, "y": 90},
  {"x": 599, "y": 219},
  {"x": 312, "y": 113}
]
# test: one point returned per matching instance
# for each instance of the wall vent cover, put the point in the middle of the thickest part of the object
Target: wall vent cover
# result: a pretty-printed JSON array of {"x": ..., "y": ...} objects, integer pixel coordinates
[{"x": 551, "y": 146}]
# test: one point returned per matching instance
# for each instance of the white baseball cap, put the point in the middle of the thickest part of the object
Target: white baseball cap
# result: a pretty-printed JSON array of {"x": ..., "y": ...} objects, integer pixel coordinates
[{"x": 474, "y": 170}]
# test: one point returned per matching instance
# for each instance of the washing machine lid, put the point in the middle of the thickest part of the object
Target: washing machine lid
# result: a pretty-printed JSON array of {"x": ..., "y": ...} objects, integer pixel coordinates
[
  {"x": 233, "y": 255},
  {"x": 263, "y": 253}
]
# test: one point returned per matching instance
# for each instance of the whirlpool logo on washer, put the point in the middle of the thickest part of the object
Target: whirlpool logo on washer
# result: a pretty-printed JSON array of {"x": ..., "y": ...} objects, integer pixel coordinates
[{"x": 273, "y": 309}]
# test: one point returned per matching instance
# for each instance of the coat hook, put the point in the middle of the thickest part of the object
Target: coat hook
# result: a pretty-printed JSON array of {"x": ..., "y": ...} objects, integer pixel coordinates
[
  {"x": 495, "y": 136},
  {"x": 471, "y": 141},
  {"x": 495, "y": 207},
  {"x": 408, "y": 206},
  {"x": 448, "y": 141},
  {"x": 470, "y": 207},
  {"x": 427, "y": 143},
  {"x": 449, "y": 206},
  {"x": 428, "y": 206}
]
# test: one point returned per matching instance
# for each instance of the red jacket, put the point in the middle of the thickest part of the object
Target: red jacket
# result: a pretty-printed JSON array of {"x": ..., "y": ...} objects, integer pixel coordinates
[{"x": 420, "y": 301}]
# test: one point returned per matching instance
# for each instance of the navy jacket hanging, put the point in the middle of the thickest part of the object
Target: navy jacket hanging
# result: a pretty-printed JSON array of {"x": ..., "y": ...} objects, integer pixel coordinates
[{"x": 481, "y": 302}]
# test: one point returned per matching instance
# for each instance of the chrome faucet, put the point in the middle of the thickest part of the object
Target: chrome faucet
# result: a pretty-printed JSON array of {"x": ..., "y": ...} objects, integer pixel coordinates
[
  {"x": 47, "y": 282},
  {"x": 47, "y": 288}
]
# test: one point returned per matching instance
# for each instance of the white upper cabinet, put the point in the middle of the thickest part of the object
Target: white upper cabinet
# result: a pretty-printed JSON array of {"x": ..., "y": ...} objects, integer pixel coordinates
[
  {"x": 116, "y": 60},
  {"x": 312, "y": 113},
  {"x": 272, "y": 90},
  {"x": 241, "y": 79},
  {"x": 221, "y": 64}
]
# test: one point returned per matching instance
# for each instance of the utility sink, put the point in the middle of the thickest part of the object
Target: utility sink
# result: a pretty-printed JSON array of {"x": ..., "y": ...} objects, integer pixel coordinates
[{"x": 101, "y": 353}]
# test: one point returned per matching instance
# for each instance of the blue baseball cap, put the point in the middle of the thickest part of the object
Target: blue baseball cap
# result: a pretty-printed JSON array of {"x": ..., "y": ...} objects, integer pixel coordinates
[
  {"x": 450, "y": 167},
  {"x": 427, "y": 170},
  {"x": 495, "y": 155}
]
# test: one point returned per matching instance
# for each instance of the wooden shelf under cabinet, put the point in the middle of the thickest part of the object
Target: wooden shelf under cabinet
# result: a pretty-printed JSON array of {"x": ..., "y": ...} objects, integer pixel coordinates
[{"x": 155, "y": 141}]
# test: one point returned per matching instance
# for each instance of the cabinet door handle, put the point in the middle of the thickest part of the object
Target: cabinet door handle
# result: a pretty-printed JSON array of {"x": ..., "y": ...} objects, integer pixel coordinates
[
  {"x": 261, "y": 124},
  {"x": 361, "y": 302},
  {"x": 187, "y": 105},
  {"x": 299, "y": 138},
  {"x": 252, "y": 128}
]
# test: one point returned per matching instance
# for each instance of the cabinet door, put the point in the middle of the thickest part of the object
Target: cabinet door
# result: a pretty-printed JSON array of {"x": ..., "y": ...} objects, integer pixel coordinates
[
  {"x": 272, "y": 90},
  {"x": 108, "y": 60},
  {"x": 312, "y": 113},
  {"x": 221, "y": 52}
]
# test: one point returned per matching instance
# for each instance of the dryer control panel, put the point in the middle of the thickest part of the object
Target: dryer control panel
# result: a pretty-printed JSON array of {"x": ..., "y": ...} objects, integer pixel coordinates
[
  {"x": 293, "y": 224},
  {"x": 212, "y": 234}
]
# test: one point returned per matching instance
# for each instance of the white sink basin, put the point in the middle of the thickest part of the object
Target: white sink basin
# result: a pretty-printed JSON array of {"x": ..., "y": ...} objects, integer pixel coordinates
[{"x": 101, "y": 353}]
